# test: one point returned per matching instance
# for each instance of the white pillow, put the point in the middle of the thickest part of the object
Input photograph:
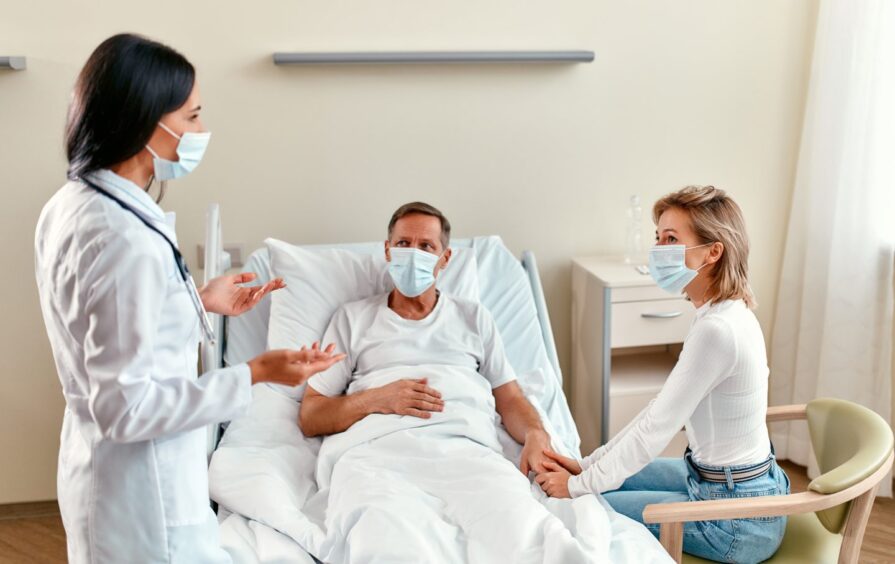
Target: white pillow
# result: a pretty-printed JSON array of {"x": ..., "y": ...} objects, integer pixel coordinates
[{"x": 318, "y": 281}]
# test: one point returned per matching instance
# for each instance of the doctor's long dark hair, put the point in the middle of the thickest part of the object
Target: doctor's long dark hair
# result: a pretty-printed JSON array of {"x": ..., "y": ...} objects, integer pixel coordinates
[{"x": 127, "y": 85}]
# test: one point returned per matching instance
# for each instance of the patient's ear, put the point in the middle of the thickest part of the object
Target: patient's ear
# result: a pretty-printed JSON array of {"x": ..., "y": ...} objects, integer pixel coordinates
[
  {"x": 388, "y": 255},
  {"x": 445, "y": 259}
]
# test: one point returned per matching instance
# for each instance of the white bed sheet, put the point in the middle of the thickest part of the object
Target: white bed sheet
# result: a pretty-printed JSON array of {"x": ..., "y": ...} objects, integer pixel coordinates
[{"x": 263, "y": 472}]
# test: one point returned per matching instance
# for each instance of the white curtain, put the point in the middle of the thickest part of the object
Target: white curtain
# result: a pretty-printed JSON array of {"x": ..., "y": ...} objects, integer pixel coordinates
[{"x": 833, "y": 331}]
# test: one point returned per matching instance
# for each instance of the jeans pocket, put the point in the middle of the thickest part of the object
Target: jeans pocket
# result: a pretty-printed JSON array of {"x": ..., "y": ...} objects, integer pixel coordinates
[
  {"x": 717, "y": 542},
  {"x": 760, "y": 488}
]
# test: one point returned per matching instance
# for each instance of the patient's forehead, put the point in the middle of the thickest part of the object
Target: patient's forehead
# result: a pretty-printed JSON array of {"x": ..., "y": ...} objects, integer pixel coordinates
[{"x": 418, "y": 226}]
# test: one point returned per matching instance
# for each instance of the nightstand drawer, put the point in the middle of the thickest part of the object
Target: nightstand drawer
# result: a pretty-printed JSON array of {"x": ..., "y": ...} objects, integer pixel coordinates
[{"x": 659, "y": 322}]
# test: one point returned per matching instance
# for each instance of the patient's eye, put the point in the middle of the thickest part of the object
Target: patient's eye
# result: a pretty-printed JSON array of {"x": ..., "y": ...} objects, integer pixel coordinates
[
  {"x": 672, "y": 239},
  {"x": 402, "y": 243}
]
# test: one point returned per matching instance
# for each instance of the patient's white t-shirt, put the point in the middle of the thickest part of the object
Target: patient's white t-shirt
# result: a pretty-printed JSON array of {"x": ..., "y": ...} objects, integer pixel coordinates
[{"x": 457, "y": 332}]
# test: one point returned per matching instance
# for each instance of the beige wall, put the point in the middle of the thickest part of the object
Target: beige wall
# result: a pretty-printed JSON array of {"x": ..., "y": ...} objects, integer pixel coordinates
[{"x": 546, "y": 156}]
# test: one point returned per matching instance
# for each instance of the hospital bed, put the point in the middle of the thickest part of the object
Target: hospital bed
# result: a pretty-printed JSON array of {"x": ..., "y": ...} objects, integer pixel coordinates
[
  {"x": 514, "y": 296},
  {"x": 509, "y": 287}
]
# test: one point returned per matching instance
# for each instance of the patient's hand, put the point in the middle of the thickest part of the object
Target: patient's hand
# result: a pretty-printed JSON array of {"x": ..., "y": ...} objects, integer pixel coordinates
[
  {"x": 405, "y": 397},
  {"x": 570, "y": 464},
  {"x": 555, "y": 481},
  {"x": 533, "y": 457}
]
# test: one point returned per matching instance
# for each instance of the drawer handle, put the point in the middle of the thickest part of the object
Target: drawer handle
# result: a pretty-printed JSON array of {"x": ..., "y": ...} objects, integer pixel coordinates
[{"x": 668, "y": 315}]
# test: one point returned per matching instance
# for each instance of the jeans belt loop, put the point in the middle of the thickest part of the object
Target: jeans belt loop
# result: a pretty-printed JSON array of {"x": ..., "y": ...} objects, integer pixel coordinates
[{"x": 729, "y": 477}]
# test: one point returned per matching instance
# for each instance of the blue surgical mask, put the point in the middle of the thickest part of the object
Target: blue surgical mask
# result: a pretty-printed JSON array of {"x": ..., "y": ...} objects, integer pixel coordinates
[
  {"x": 412, "y": 270},
  {"x": 190, "y": 149},
  {"x": 668, "y": 267}
]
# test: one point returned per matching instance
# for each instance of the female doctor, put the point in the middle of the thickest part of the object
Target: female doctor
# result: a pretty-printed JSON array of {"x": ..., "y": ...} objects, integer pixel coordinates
[
  {"x": 124, "y": 318},
  {"x": 718, "y": 391}
]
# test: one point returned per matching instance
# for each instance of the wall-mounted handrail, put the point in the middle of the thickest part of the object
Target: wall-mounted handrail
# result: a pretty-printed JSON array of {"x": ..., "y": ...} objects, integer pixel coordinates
[
  {"x": 14, "y": 63},
  {"x": 430, "y": 57}
]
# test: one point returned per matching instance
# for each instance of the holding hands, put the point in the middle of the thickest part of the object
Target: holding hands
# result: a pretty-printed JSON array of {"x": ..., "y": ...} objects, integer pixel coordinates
[
  {"x": 534, "y": 457},
  {"x": 554, "y": 480}
]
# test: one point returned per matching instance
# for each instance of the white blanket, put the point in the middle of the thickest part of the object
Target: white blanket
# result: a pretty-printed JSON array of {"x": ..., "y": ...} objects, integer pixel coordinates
[{"x": 403, "y": 489}]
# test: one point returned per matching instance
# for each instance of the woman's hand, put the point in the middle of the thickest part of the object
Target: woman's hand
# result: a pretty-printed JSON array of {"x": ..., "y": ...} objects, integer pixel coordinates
[
  {"x": 569, "y": 464},
  {"x": 291, "y": 367},
  {"x": 223, "y": 294},
  {"x": 404, "y": 397},
  {"x": 555, "y": 481}
]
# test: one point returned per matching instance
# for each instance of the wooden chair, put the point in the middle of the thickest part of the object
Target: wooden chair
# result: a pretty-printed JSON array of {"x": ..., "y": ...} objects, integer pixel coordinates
[{"x": 854, "y": 451}]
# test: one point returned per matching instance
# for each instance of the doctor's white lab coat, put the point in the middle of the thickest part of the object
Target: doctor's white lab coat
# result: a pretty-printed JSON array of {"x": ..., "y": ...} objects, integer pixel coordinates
[{"x": 132, "y": 475}]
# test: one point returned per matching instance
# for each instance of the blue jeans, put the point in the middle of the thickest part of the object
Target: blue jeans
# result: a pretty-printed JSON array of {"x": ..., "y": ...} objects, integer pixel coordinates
[{"x": 674, "y": 479}]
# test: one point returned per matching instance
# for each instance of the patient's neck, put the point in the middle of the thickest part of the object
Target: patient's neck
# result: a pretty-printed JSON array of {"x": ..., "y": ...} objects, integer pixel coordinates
[{"x": 413, "y": 308}]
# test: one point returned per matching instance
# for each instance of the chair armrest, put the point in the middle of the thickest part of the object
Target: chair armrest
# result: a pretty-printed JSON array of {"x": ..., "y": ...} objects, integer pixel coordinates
[
  {"x": 786, "y": 412},
  {"x": 734, "y": 508},
  {"x": 764, "y": 506}
]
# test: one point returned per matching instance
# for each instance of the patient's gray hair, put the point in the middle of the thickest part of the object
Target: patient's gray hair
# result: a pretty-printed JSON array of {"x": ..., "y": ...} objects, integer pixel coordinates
[{"x": 424, "y": 209}]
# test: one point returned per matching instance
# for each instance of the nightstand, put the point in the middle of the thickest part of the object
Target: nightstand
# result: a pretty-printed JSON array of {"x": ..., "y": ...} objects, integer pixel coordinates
[{"x": 626, "y": 338}]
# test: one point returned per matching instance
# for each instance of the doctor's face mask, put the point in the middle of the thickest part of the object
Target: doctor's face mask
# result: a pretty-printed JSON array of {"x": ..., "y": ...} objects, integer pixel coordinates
[{"x": 191, "y": 148}]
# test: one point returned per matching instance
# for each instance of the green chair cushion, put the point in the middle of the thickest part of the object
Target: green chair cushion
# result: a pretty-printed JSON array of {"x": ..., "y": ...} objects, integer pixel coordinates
[{"x": 805, "y": 541}]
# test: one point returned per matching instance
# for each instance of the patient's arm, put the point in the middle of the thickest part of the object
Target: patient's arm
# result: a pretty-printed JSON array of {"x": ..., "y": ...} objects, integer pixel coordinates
[
  {"x": 323, "y": 415},
  {"x": 524, "y": 424}
]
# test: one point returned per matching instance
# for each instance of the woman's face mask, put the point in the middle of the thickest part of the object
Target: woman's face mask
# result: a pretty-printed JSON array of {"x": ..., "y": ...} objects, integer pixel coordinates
[
  {"x": 412, "y": 270},
  {"x": 191, "y": 148},
  {"x": 668, "y": 267}
]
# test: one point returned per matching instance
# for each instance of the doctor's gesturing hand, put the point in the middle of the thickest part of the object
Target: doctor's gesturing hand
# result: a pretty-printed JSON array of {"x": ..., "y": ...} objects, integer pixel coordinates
[
  {"x": 225, "y": 296},
  {"x": 291, "y": 367}
]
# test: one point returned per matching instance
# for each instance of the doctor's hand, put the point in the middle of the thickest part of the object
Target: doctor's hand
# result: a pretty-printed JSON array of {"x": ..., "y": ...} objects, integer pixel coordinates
[
  {"x": 570, "y": 464},
  {"x": 404, "y": 397},
  {"x": 225, "y": 296},
  {"x": 555, "y": 481},
  {"x": 291, "y": 367}
]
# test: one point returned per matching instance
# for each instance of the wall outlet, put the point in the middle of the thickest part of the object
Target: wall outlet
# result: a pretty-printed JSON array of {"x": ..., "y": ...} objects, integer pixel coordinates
[{"x": 233, "y": 249}]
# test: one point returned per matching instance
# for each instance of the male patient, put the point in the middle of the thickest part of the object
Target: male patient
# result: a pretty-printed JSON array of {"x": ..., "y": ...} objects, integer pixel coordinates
[
  {"x": 416, "y": 325},
  {"x": 418, "y": 353}
]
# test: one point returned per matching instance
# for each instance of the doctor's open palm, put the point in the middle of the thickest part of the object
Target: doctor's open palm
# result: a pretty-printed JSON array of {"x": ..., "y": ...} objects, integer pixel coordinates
[{"x": 292, "y": 367}]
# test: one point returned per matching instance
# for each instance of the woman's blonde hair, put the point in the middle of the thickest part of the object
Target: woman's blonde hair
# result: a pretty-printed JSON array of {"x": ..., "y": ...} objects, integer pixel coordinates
[{"x": 715, "y": 217}]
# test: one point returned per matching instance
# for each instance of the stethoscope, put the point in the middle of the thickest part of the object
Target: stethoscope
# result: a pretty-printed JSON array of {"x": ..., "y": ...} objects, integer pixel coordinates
[{"x": 207, "y": 330}]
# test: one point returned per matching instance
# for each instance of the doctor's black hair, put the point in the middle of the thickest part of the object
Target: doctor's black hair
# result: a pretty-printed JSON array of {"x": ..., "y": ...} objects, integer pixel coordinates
[{"x": 127, "y": 85}]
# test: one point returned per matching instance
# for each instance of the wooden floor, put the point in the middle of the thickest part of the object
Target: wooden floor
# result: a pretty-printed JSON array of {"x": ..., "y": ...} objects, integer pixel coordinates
[{"x": 32, "y": 533}]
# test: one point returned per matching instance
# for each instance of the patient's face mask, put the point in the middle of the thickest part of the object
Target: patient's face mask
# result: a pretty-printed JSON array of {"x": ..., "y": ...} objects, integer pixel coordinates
[
  {"x": 190, "y": 150},
  {"x": 668, "y": 267},
  {"x": 412, "y": 270}
]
